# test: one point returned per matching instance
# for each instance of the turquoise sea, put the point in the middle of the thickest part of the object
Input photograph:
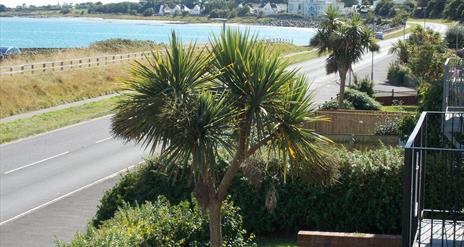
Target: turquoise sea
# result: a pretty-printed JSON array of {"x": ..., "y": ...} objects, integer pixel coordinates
[{"x": 78, "y": 32}]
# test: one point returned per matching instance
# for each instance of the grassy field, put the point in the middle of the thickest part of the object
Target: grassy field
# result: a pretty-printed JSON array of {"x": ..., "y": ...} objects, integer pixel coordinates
[
  {"x": 53, "y": 120},
  {"x": 24, "y": 93},
  {"x": 100, "y": 48}
]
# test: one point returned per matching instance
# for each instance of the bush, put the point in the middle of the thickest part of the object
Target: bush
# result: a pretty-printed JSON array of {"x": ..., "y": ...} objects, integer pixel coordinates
[
  {"x": 400, "y": 75},
  {"x": 389, "y": 127},
  {"x": 453, "y": 32},
  {"x": 219, "y": 13},
  {"x": 361, "y": 101},
  {"x": 364, "y": 85},
  {"x": 162, "y": 224},
  {"x": 366, "y": 198},
  {"x": 115, "y": 45},
  {"x": 333, "y": 105},
  {"x": 149, "y": 12},
  {"x": 406, "y": 126}
]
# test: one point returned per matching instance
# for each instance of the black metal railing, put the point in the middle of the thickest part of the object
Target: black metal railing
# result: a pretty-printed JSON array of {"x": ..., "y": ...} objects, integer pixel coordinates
[
  {"x": 433, "y": 210},
  {"x": 453, "y": 87}
]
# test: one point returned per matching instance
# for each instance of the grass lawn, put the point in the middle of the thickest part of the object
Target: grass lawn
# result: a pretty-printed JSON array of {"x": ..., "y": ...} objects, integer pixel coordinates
[
  {"x": 399, "y": 108},
  {"x": 438, "y": 21},
  {"x": 276, "y": 242},
  {"x": 53, "y": 120}
]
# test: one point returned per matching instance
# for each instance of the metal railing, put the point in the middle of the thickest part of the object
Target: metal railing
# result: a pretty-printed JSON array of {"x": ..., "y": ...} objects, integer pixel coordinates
[
  {"x": 453, "y": 87},
  {"x": 433, "y": 208}
]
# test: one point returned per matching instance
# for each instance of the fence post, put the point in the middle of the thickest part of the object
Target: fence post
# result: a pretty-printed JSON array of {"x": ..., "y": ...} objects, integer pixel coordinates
[
  {"x": 407, "y": 198},
  {"x": 43, "y": 67},
  {"x": 80, "y": 63},
  {"x": 98, "y": 61},
  {"x": 61, "y": 65},
  {"x": 71, "y": 64},
  {"x": 32, "y": 69},
  {"x": 90, "y": 61}
]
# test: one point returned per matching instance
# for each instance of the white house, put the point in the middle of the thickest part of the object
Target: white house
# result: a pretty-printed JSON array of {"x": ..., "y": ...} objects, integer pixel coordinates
[
  {"x": 176, "y": 10},
  {"x": 165, "y": 10},
  {"x": 196, "y": 10},
  {"x": 313, "y": 8},
  {"x": 267, "y": 9}
]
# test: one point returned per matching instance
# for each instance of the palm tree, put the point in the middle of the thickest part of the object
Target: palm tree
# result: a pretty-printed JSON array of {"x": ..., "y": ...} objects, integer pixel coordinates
[
  {"x": 231, "y": 101},
  {"x": 346, "y": 42},
  {"x": 400, "y": 49}
]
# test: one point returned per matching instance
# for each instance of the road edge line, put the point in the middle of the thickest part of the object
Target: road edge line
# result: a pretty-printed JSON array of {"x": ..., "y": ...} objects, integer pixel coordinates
[{"x": 69, "y": 194}]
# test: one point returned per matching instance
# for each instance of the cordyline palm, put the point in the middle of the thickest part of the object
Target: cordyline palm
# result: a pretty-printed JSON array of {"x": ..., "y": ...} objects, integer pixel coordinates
[
  {"x": 346, "y": 42},
  {"x": 400, "y": 49},
  {"x": 235, "y": 98}
]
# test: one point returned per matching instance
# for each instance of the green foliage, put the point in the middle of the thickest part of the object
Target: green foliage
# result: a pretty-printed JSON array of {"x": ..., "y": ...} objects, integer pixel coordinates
[
  {"x": 400, "y": 75},
  {"x": 361, "y": 101},
  {"x": 455, "y": 33},
  {"x": 454, "y": 10},
  {"x": 115, "y": 45},
  {"x": 406, "y": 126},
  {"x": 219, "y": 13},
  {"x": 159, "y": 223},
  {"x": 367, "y": 196},
  {"x": 149, "y": 12},
  {"x": 333, "y": 105},
  {"x": 3, "y": 8},
  {"x": 430, "y": 96},
  {"x": 389, "y": 127},
  {"x": 385, "y": 8},
  {"x": 364, "y": 85}
]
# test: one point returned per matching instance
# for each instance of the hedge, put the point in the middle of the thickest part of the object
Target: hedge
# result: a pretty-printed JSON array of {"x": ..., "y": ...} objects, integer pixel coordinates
[
  {"x": 162, "y": 224},
  {"x": 366, "y": 198}
]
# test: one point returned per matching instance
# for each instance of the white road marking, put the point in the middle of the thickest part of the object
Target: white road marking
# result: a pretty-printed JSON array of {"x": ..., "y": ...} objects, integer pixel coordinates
[
  {"x": 35, "y": 163},
  {"x": 68, "y": 194},
  {"x": 102, "y": 140}
]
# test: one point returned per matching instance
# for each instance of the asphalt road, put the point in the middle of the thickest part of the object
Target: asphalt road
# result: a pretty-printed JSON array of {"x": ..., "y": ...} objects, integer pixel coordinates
[{"x": 50, "y": 184}]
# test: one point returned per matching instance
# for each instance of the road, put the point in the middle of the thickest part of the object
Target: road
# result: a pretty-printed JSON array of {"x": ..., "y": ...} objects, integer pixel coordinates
[{"x": 51, "y": 183}]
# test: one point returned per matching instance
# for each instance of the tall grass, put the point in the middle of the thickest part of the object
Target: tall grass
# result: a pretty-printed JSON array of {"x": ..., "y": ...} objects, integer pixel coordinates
[
  {"x": 99, "y": 48},
  {"x": 23, "y": 93}
]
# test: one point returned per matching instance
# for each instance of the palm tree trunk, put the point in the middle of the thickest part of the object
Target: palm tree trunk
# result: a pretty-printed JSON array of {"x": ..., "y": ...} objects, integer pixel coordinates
[
  {"x": 341, "y": 95},
  {"x": 214, "y": 210}
]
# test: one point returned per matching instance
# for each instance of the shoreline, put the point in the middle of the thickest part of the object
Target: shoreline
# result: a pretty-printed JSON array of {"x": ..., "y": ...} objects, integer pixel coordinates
[{"x": 285, "y": 23}]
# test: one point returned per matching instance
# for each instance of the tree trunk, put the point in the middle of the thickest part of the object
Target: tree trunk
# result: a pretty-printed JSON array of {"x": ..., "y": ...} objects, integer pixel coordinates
[
  {"x": 341, "y": 95},
  {"x": 214, "y": 210}
]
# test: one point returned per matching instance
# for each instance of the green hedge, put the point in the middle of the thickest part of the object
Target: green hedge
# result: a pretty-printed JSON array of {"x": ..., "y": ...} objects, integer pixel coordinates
[
  {"x": 361, "y": 100},
  {"x": 162, "y": 224},
  {"x": 366, "y": 198}
]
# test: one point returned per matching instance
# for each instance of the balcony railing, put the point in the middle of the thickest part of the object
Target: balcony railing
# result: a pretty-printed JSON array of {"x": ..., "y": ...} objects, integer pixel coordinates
[
  {"x": 453, "y": 87},
  {"x": 433, "y": 210}
]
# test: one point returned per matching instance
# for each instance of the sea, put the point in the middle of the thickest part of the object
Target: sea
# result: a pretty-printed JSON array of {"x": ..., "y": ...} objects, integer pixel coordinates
[{"x": 67, "y": 32}]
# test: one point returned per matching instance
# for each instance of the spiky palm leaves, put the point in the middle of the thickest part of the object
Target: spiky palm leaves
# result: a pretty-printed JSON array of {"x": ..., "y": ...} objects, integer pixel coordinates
[
  {"x": 346, "y": 42},
  {"x": 236, "y": 97}
]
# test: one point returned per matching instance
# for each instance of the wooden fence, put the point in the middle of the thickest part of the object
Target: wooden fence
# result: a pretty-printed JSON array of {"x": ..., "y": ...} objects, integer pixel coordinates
[
  {"x": 353, "y": 122},
  {"x": 89, "y": 62},
  {"x": 71, "y": 64}
]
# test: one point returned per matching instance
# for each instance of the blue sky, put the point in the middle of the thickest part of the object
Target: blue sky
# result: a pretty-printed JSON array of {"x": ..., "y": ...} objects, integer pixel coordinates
[{"x": 14, "y": 3}]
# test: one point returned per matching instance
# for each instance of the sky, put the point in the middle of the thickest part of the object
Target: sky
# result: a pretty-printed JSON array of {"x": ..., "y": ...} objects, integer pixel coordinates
[{"x": 14, "y": 3}]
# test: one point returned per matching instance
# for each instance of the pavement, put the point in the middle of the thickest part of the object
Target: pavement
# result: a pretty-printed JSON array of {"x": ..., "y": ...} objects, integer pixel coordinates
[{"x": 50, "y": 184}]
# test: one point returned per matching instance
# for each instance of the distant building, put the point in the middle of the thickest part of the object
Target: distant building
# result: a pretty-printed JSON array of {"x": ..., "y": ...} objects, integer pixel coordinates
[
  {"x": 268, "y": 8},
  {"x": 313, "y": 8},
  {"x": 196, "y": 10}
]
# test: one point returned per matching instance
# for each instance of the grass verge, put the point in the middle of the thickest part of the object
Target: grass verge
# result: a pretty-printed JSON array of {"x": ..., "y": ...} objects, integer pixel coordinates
[
  {"x": 56, "y": 119},
  {"x": 24, "y": 93},
  {"x": 399, "y": 108}
]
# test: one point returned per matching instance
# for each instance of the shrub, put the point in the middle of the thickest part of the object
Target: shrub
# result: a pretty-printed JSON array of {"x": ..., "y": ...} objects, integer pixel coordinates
[
  {"x": 364, "y": 85},
  {"x": 366, "y": 198},
  {"x": 361, "y": 101},
  {"x": 219, "y": 13},
  {"x": 149, "y": 12},
  {"x": 453, "y": 32},
  {"x": 389, "y": 127},
  {"x": 162, "y": 224},
  {"x": 399, "y": 75},
  {"x": 333, "y": 105},
  {"x": 406, "y": 126},
  {"x": 115, "y": 45}
]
